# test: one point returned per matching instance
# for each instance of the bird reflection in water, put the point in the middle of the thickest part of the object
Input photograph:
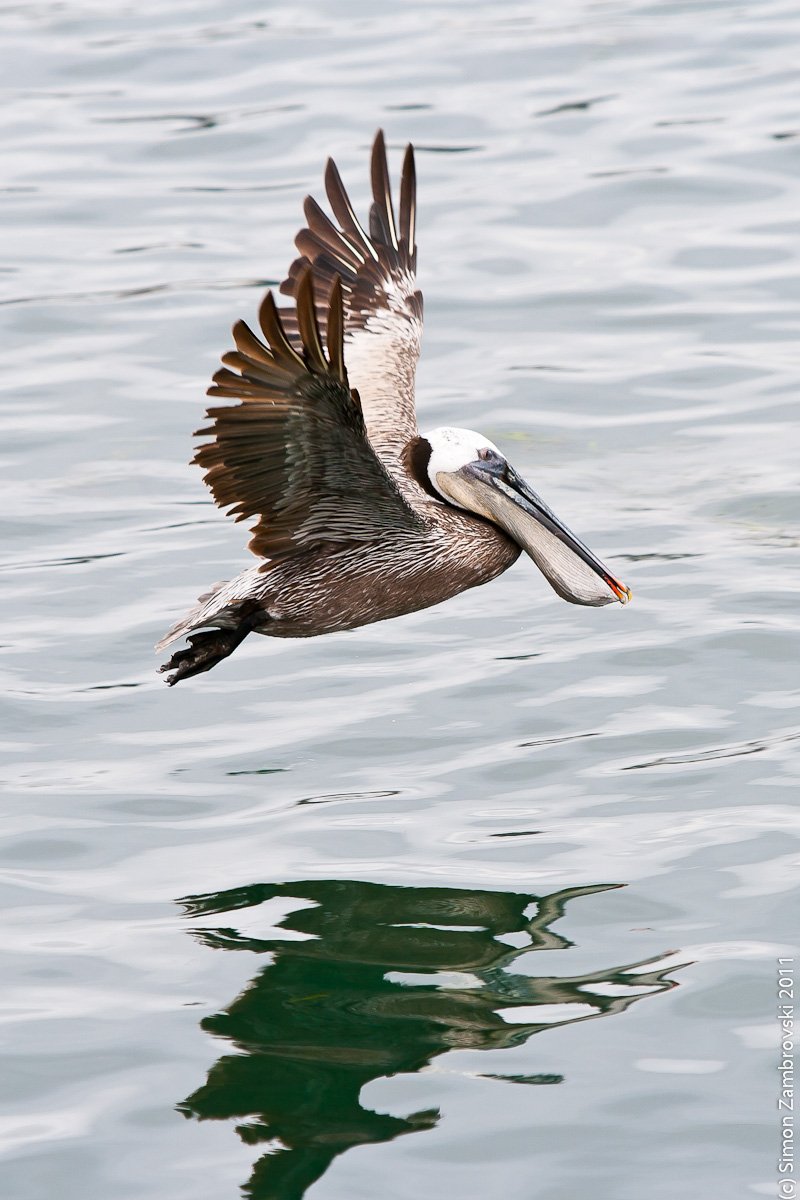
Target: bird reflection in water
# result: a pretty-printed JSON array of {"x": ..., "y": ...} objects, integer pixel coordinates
[{"x": 344, "y": 1005}]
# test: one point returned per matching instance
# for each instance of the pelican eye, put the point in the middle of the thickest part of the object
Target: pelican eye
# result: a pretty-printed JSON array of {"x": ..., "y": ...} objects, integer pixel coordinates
[{"x": 493, "y": 462}]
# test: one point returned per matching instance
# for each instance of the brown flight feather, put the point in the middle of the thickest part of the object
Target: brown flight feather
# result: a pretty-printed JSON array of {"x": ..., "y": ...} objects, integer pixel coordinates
[
  {"x": 381, "y": 304},
  {"x": 295, "y": 452}
]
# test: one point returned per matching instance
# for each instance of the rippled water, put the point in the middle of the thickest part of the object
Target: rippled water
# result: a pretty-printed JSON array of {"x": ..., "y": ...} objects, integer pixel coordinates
[{"x": 409, "y": 832}]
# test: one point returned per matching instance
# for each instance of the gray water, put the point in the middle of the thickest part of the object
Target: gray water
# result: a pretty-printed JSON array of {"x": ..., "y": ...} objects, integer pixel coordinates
[{"x": 408, "y": 832}]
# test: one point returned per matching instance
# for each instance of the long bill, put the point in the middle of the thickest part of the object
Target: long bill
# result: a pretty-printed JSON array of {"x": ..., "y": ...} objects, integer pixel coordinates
[{"x": 569, "y": 566}]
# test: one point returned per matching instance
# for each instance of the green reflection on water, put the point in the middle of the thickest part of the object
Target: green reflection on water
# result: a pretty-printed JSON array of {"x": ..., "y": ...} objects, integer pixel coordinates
[{"x": 332, "y": 1011}]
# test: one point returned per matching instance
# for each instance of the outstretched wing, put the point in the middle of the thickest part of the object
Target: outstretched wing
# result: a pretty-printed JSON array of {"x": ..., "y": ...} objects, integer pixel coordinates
[
  {"x": 383, "y": 308},
  {"x": 294, "y": 453}
]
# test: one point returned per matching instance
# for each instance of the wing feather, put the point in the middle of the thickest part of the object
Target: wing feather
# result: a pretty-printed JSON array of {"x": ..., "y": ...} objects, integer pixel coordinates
[
  {"x": 308, "y": 325},
  {"x": 382, "y": 194},
  {"x": 294, "y": 453},
  {"x": 408, "y": 205},
  {"x": 344, "y": 211},
  {"x": 382, "y": 306},
  {"x": 282, "y": 349}
]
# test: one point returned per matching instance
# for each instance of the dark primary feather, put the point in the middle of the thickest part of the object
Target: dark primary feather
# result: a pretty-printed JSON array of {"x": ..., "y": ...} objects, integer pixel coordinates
[
  {"x": 382, "y": 306},
  {"x": 382, "y": 212},
  {"x": 294, "y": 452}
]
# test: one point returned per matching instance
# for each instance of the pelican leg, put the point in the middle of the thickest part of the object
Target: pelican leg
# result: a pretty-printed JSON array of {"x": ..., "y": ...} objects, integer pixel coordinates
[{"x": 204, "y": 651}]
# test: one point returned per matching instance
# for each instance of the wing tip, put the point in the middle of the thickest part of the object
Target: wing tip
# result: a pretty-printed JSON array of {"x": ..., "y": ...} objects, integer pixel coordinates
[{"x": 382, "y": 194}]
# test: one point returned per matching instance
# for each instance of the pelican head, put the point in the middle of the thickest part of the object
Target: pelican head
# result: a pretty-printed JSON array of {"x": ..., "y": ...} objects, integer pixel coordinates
[{"x": 469, "y": 471}]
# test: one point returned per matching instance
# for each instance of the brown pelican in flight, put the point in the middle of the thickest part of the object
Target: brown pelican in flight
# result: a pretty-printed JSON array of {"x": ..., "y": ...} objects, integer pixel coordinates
[{"x": 358, "y": 516}]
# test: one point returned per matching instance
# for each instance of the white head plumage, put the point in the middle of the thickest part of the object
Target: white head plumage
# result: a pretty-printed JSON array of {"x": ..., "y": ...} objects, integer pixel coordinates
[{"x": 453, "y": 448}]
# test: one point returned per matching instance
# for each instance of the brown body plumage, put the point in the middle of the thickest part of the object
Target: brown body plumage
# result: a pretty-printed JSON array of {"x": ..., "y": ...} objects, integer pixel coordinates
[{"x": 323, "y": 449}]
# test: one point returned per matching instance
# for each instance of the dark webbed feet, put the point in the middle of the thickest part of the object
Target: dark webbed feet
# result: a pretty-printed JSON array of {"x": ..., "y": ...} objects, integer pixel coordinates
[{"x": 204, "y": 651}]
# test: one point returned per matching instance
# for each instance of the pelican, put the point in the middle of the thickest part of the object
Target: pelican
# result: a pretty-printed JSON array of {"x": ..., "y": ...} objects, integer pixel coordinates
[{"x": 358, "y": 516}]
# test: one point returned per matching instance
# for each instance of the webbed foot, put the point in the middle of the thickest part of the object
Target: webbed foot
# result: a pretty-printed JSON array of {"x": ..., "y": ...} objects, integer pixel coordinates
[{"x": 204, "y": 651}]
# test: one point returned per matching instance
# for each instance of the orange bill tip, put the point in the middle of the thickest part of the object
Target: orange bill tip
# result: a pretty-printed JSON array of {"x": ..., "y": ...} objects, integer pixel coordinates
[{"x": 622, "y": 592}]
